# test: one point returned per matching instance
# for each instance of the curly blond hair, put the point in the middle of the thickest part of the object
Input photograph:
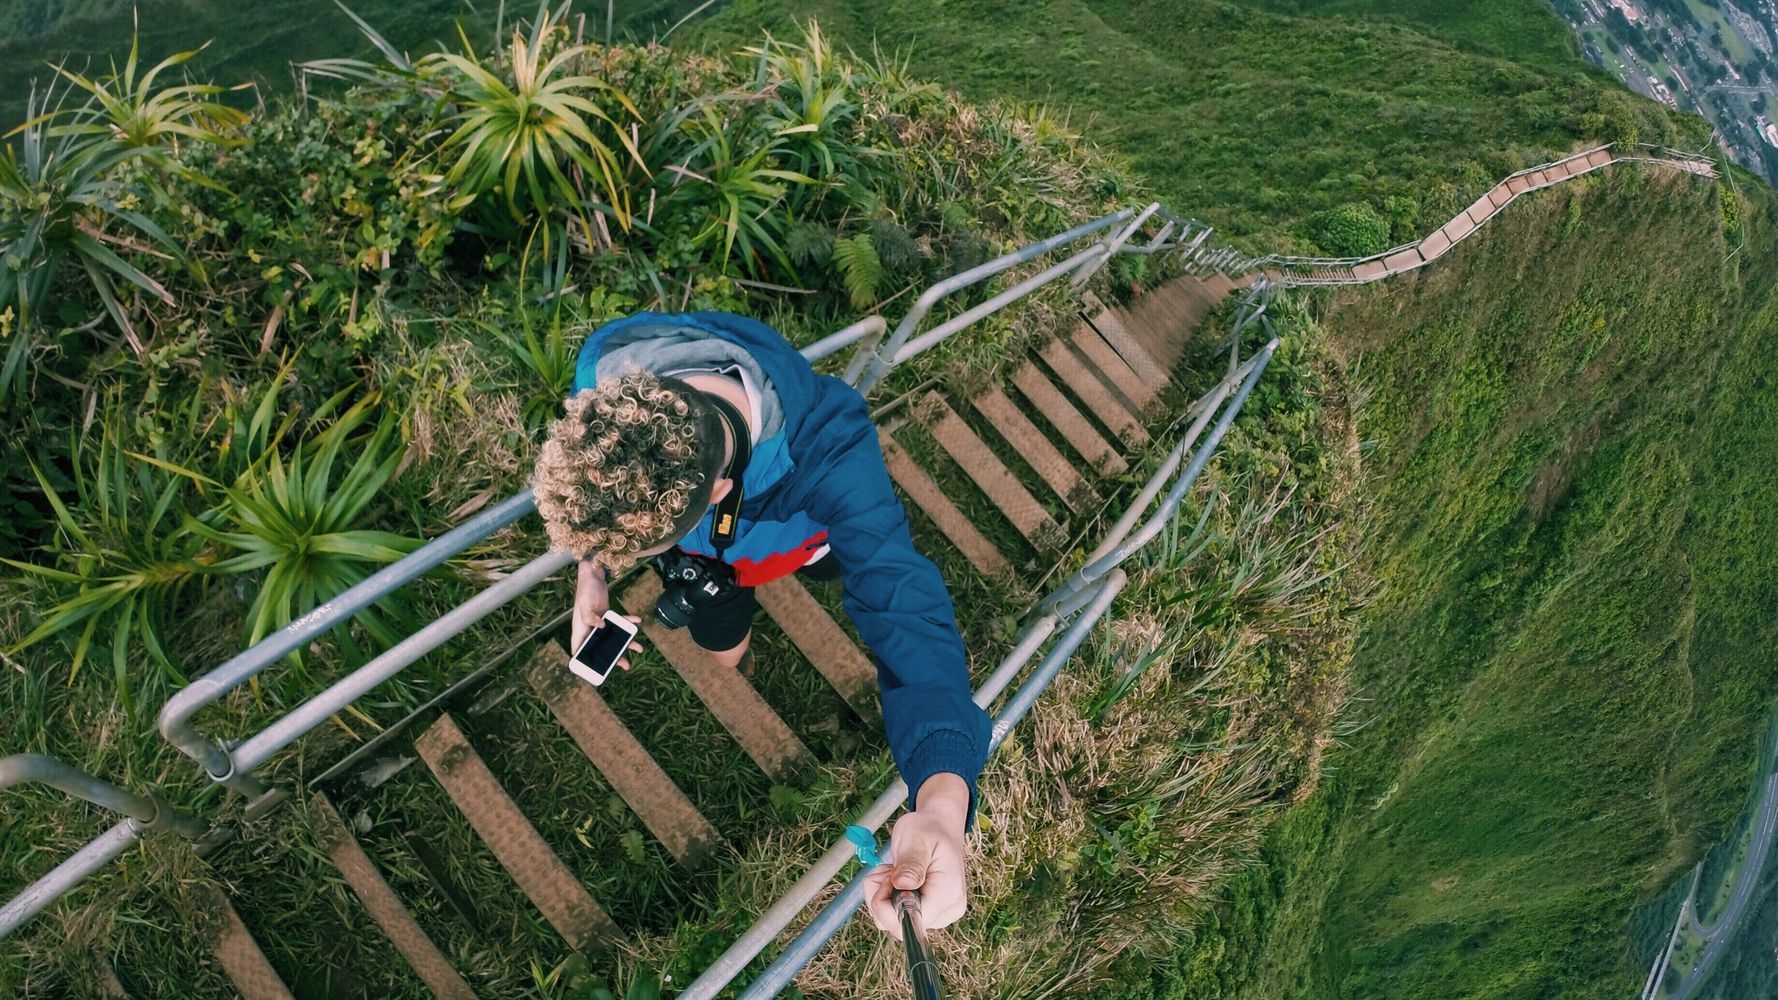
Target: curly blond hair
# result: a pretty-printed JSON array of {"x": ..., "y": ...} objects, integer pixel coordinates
[{"x": 630, "y": 466}]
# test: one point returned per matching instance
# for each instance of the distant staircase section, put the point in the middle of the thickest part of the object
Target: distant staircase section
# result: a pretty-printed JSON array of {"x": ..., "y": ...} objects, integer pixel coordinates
[{"x": 1363, "y": 270}]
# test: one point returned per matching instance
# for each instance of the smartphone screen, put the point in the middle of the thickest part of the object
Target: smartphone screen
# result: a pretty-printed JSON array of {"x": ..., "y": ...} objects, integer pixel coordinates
[{"x": 601, "y": 650}]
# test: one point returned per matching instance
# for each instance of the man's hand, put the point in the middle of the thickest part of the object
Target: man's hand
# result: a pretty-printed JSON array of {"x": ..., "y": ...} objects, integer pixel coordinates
[
  {"x": 927, "y": 848},
  {"x": 591, "y": 600}
]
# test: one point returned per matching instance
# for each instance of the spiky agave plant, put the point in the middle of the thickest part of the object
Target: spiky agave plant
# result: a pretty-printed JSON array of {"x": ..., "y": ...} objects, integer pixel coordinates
[
  {"x": 132, "y": 111},
  {"x": 119, "y": 555},
  {"x": 297, "y": 520},
  {"x": 523, "y": 124},
  {"x": 62, "y": 201}
]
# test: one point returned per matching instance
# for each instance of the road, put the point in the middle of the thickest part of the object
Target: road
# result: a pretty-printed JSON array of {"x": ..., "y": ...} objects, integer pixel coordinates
[{"x": 1718, "y": 935}]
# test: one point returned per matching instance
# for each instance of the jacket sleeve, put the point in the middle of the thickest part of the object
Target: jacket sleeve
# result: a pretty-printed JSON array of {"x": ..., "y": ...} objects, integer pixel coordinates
[{"x": 898, "y": 602}]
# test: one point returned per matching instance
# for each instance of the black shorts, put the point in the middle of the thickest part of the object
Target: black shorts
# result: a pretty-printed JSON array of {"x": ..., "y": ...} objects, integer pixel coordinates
[{"x": 723, "y": 624}]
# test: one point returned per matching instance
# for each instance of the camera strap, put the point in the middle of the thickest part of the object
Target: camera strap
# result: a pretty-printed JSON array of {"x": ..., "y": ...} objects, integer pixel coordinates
[{"x": 728, "y": 511}]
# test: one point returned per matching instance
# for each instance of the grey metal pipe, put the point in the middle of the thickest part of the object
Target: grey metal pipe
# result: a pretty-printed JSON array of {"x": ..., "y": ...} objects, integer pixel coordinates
[
  {"x": 22, "y": 767},
  {"x": 177, "y": 714},
  {"x": 1085, "y": 576},
  {"x": 933, "y": 337},
  {"x": 840, "y": 339},
  {"x": 832, "y": 917},
  {"x": 778, "y": 916},
  {"x": 866, "y": 371},
  {"x": 1111, "y": 247},
  {"x": 319, "y": 709},
  {"x": 1206, "y": 406},
  {"x": 66, "y": 875}
]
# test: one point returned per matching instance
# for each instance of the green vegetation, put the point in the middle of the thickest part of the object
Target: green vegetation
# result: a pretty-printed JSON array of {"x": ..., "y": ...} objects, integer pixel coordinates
[
  {"x": 1560, "y": 510},
  {"x": 1567, "y": 664}
]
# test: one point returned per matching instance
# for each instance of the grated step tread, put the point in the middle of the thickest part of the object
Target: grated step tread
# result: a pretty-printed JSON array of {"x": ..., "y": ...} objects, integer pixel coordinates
[
  {"x": 236, "y": 951},
  {"x": 1074, "y": 374},
  {"x": 823, "y": 643},
  {"x": 1074, "y": 427},
  {"x": 615, "y": 751},
  {"x": 749, "y": 719},
  {"x": 1046, "y": 459},
  {"x": 521, "y": 850},
  {"x": 1135, "y": 392},
  {"x": 384, "y": 906},
  {"x": 1111, "y": 326},
  {"x": 987, "y": 471},
  {"x": 925, "y": 494}
]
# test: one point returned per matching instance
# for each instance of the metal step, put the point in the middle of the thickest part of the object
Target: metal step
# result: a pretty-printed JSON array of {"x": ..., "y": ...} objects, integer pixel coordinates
[
  {"x": 761, "y": 734},
  {"x": 1110, "y": 325},
  {"x": 926, "y": 495},
  {"x": 1045, "y": 459},
  {"x": 611, "y": 748},
  {"x": 1142, "y": 397},
  {"x": 236, "y": 950},
  {"x": 551, "y": 887},
  {"x": 1075, "y": 428},
  {"x": 384, "y": 906},
  {"x": 823, "y": 643},
  {"x": 1085, "y": 384},
  {"x": 985, "y": 469}
]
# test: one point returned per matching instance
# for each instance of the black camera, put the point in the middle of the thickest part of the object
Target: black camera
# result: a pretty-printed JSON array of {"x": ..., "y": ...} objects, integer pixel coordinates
[{"x": 690, "y": 582}]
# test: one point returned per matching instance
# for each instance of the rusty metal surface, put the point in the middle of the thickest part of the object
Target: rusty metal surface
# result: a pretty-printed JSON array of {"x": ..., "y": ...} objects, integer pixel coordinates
[
  {"x": 236, "y": 950},
  {"x": 987, "y": 471},
  {"x": 1086, "y": 384},
  {"x": 614, "y": 750},
  {"x": 384, "y": 906},
  {"x": 1141, "y": 397},
  {"x": 748, "y": 718},
  {"x": 521, "y": 850},
  {"x": 1111, "y": 326},
  {"x": 926, "y": 495},
  {"x": 1054, "y": 468},
  {"x": 823, "y": 642},
  {"x": 1075, "y": 428}
]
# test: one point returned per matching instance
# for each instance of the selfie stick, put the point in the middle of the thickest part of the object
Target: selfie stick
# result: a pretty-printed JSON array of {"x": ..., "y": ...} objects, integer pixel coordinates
[{"x": 921, "y": 972}]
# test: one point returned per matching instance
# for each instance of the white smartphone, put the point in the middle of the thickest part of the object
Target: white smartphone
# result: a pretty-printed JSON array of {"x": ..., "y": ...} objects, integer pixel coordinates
[{"x": 600, "y": 651}]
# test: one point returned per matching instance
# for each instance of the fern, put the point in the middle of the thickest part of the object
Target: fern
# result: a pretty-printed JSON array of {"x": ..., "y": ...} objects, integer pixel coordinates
[
  {"x": 895, "y": 247},
  {"x": 810, "y": 244},
  {"x": 860, "y": 269}
]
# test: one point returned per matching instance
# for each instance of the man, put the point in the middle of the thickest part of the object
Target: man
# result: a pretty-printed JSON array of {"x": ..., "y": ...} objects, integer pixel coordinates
[{"x": 708, "y": 434}]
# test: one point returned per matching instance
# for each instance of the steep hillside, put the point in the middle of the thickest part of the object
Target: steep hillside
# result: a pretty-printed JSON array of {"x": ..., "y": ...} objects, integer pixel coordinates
[{"x": 1568, "y": 665}]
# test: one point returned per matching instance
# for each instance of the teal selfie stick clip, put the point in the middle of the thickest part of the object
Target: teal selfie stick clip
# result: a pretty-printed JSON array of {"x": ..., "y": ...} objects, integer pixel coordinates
[{"x": 865, "y": 843}]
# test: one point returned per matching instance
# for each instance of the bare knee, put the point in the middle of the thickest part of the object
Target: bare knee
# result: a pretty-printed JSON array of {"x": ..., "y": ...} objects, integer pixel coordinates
[{"x": 731, "y": 658}]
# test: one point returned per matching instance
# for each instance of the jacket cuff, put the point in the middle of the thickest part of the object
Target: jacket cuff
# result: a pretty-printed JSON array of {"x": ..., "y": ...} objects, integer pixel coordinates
[{"x": 946, "y": 751}]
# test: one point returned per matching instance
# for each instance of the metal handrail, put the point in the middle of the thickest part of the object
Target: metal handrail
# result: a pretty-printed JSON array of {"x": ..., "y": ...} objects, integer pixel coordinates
[{"x": 142, "y": 813}]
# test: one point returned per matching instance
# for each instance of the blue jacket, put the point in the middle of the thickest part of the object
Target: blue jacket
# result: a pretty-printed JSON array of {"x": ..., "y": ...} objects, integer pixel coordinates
[{"x": 821, "y": 480}]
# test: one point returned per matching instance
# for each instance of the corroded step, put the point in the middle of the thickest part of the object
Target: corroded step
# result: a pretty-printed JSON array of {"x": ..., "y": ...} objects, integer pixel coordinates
[
  {"x": 1116, "y": 370},
  {"x": 822, "y": 642},
  {"x": 236, "y": 951},
  {"x": 1045, "y": 458},
  {"x": 986, "y": 470},
  {"x": 611, "y": 747},
  {"x": 926, "y": 495},
  {"x": 1074, "y": 428},
  {"x": 1111, "y": 326},
  {"x": 761, "y": 734},
  {"x": 384, "y": 906},
  {"x": 1081, "y": 380},
  {"x": 551, "y": 887}
]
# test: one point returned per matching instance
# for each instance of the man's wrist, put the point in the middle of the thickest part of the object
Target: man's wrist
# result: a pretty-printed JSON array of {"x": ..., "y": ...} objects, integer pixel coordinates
[{"x": 944, "y": 796}]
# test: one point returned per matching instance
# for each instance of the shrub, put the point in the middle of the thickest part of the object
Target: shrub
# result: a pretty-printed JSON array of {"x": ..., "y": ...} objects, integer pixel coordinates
[{"x": 1353, "y": 229}]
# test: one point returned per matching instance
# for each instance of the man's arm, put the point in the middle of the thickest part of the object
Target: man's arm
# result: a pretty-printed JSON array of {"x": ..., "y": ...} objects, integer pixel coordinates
[{"x": 899, "y": 604}]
